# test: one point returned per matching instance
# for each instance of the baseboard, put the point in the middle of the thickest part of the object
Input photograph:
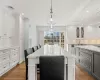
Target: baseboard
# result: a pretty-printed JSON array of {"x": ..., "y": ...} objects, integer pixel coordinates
[{"x": 21, "y": 61}]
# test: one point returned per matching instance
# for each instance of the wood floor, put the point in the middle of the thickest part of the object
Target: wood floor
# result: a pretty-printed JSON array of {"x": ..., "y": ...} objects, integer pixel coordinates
[
  {"x": 80, "y": 74},
  {"x": 18, "y": 73}
]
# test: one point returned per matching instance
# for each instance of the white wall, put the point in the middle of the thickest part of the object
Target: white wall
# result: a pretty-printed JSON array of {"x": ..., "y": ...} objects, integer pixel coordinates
[
  {"x": 26, "y": 33},
  {"x": 38, "y": 12},
  {"x": 41, "y": 37}
]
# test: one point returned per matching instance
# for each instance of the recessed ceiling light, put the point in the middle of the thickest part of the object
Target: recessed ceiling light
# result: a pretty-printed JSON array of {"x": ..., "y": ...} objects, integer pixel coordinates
[
  {"x": 87, "y": 11},
  {"x": 22, "y": 13}
]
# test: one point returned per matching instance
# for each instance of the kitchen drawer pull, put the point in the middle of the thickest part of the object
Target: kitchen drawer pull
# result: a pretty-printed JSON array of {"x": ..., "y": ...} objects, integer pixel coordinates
[
  {"x": 4, "y": 67},
  {"x": 4, "y": 58}
]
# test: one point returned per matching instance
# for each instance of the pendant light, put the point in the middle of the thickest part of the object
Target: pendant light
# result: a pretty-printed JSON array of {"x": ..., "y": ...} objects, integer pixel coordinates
[{"x": 51, "y": 23}]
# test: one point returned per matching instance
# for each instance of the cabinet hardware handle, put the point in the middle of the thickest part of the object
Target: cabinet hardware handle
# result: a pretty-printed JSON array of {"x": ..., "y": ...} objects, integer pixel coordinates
[
  {"x": 4, "y": 67},
  {"x": 4, "y": 58}
]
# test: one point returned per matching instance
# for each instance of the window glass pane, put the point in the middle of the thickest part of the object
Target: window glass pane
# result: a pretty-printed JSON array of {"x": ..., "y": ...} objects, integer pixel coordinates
[{"x": 54, "y": 38}]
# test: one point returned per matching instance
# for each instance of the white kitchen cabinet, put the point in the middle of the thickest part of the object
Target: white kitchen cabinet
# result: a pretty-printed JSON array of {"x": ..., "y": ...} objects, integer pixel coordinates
[
  {"x": 87, "y": 35},
  {"x": 71, "y": 34},
  {"x": 91, "y": 32},
  {"x": 11, "y": 40},
  {"x": 7, "y": 28},
  {"x": 8, "y": 59}
]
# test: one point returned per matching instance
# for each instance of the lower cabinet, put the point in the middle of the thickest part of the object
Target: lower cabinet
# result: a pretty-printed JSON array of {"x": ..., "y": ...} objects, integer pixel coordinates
[
  {"x": 8, "y": 59},
  {"x": 86, "y": 60},
  {"x": 89, "y": 61},
  {"x": 96, "y": 65},
  {"x": 77, "y": 55},
  {"x": 4, "y": 67}
]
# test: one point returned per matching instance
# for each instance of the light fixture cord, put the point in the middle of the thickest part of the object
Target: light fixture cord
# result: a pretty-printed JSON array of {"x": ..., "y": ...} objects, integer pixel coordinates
[{"x": 51, "y": 10}]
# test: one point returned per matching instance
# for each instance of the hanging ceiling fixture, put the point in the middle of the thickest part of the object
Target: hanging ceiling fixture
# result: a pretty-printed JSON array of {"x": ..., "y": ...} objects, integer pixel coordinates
[{"x": 51, "y": 23}]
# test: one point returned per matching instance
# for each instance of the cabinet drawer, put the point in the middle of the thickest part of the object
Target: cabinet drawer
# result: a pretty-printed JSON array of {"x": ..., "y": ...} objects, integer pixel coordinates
[
  {"x": 4, "y": 57},
  {"x": 1, "y": 53},
  {"x": 14, "y": 61},
  {"x": 14, "y": 55},
  {"x": 6, "y": 51},
  {"x": 1, "y": 69},
  {"x": 4, "y": 67},
  {"x": 14, "y": 50}
]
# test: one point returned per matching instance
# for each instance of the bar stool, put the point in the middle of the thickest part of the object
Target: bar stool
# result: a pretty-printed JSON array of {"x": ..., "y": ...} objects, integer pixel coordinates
[
  {"x": 51, "y": 67},
  {"x": 26, "y": 53}
]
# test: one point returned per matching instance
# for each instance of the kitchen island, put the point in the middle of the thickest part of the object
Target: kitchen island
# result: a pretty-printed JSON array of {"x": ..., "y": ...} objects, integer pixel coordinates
[
  {"x": 88, "y": 57},
  {"x": 51, "y": 50}
]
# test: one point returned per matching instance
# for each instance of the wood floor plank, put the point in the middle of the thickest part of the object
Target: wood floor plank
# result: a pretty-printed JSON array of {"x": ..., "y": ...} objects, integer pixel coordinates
[
  {"x": 18, "y": 73},
  {"x": 80, "y": 74}
]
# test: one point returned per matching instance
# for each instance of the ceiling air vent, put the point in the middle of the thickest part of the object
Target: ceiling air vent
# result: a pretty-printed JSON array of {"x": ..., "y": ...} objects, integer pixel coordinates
[{"x": 10, "y": 7}]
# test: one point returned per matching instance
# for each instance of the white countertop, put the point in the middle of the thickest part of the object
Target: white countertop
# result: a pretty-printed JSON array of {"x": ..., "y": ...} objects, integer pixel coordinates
[
  {"x": 50, "y": 50},
  {"x": 90, "y": 47},
  {"x": 3, "y": 48}
]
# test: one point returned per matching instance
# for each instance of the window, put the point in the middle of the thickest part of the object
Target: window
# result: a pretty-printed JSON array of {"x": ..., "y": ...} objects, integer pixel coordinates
[{"x": 54, "y": 38}]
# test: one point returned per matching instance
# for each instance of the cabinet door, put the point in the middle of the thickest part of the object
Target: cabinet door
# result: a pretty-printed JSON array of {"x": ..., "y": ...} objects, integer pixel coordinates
[
  {"x": 86, "y": 60},
  {"x": 73, "y": 51},
  {"x": 8, "y": 24},
  {"x": 91, "y": 32},
  {"x": 77, "y": 32},
  {"x": 71, "y": 34},
  {"x": 77, "y": 55},
  {"x": 96, "y": 64},
  {"x": 82, "y": 32}
]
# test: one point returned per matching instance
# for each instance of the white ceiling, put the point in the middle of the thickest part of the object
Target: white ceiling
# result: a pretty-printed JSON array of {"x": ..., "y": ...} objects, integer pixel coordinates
[
  {"x": 90, "y": 15},
  {"x": 66, "y": 12}
]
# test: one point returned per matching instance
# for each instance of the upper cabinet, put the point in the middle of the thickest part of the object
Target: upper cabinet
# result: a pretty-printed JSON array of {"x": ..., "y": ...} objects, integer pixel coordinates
[
  {"x": 71, "y": 34},
  {"x": 75, "y": 34},
  {"x": 9, "y": 28},
  {"x": 83, "y": 35},
  {"x": 91, "y": 32}
]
